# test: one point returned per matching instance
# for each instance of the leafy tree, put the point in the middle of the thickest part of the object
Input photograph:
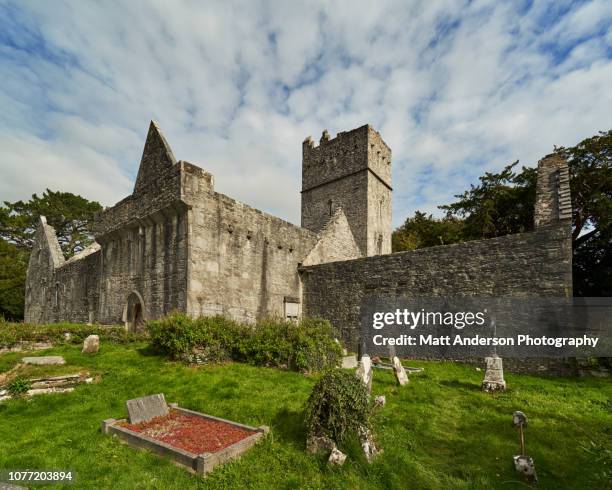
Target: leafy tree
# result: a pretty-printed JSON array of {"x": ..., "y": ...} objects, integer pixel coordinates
[
  {"x": 426, "y": 231},
  {"x": 13, "y": 266},
  {"x": 503, "y": 203},
  {"x": 68, "y": 213},
  {"x": 590, "y": 167}
]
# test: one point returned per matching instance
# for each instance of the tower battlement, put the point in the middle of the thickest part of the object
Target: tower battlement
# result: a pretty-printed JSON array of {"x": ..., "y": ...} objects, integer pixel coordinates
[
  {"x": 351, "y": 171},
  {"x": 347, "y": 153}
]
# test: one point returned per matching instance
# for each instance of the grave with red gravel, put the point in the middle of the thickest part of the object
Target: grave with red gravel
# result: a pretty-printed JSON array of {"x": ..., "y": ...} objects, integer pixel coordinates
[{"x": 190, "y": 433}]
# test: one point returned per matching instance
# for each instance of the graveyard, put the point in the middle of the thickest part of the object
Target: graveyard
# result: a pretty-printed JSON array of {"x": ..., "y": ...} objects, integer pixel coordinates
[{"x": 440, "y": 430}]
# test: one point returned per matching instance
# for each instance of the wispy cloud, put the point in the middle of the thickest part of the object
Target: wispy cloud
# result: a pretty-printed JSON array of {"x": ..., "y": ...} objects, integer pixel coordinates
[{"x": 455, "y": 88}]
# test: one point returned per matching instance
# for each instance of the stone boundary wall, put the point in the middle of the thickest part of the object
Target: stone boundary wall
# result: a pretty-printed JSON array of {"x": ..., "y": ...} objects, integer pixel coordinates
[{"x": 521, "y": 265}]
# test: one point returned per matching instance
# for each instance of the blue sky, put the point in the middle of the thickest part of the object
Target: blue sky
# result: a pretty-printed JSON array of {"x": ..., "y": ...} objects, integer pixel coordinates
[{"x": 455, "y": 88}]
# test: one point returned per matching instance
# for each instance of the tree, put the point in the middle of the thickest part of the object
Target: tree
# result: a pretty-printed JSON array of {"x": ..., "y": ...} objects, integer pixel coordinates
[
  {"x": 503, "y": 203},
  {"x": 590, "y": 167},
  {"x": 69, "y": 214},
  {"x": 13, "y": 266},
  {"x": 426, "y": 231}
]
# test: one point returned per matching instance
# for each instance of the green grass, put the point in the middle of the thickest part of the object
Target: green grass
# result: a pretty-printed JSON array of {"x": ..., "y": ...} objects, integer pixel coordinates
[{"x": 440, "y": 431}]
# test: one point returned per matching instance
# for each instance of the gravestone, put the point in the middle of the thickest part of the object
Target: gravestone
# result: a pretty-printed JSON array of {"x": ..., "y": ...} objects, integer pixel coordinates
[
  {"x": 44, "y": 360},
  {"x": 91, "y": 344},
  {"x": 337, "y": 457},
  {"x": 400, "y": 372},
  {"x": 364, "y": 372},
  {"x": 494, "y": 375},
  {"x": 147, "y": 407},
  {"x": 349, "y": 362}
]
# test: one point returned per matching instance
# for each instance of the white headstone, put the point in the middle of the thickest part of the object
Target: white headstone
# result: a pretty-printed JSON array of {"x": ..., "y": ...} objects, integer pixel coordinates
[
  {"x": 364, "y": 372},
  {"x": 494, "y": 375},
  {"x": 400, "y": 372},
  {"x": 91, "y": 344}
]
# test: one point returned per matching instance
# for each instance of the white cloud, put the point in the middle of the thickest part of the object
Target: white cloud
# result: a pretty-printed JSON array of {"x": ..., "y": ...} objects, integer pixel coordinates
[{"x": 455, "y": 88}]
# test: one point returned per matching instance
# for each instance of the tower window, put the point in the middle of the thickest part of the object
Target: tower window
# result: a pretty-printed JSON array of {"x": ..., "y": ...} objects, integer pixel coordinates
[{"x": 330, "y": 203}]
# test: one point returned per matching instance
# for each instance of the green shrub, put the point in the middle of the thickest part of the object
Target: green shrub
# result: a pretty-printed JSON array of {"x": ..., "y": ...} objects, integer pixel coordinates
[
  {"x": 306, "y": 346},
  {"x": 337, "y": 407},
  {"x": 314, "y": 346},
  {"x": 214, "y": 338},
  {"x": 18, "y": 386}
]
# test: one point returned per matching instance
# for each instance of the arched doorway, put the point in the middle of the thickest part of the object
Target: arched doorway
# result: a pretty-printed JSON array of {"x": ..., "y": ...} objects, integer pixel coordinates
[{"x": 134, "y": 313}]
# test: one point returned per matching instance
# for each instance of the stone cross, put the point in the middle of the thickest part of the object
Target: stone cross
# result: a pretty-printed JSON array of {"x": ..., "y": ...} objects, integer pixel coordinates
[
  {"x": 494, "y": 375},
  {"x": 147, "y": 407}
]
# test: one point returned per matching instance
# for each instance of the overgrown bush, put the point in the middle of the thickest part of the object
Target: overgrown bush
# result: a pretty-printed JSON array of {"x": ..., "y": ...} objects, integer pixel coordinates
[
  {"x": 18, "y": 386},
  {"x": 180, "y": 336},
  {"x": 306, "y": 346},
  {"x": 14, "y": 333},
  {"x": 337, "y": 407}
]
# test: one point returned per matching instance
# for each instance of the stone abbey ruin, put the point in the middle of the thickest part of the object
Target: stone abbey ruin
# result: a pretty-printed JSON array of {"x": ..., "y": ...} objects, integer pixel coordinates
[{"x": 175, "y": 243}]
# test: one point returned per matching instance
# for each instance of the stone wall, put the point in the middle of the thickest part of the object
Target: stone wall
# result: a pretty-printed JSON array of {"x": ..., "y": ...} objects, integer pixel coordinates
[
  {"x": 242, "y": 262},
  {"x": 522, "y": 265},
  {"x": 59, "y": 289},
  {"x": 352, "y": 172}
]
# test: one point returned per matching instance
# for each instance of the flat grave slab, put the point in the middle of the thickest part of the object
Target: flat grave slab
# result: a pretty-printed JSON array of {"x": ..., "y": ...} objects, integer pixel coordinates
[
  {"x": 193, "y": 440},
  {"x": 43, "y": 360}
]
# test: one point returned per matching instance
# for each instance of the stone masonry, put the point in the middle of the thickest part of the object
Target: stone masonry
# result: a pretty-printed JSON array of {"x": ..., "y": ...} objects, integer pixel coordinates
[{"x": 177, "y": 244}]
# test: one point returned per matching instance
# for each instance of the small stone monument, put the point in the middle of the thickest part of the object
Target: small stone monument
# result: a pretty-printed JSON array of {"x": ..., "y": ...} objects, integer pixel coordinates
[
  {"x": 494, "y": 375},
  {"x": 316, "y": 444},
  {"x": 337, "y": 457},
  {"x": 370, "y": 449},
  {"x": 91, "y": 344},
  {"x": 398, "y": 369},
  {"x": 364, "y": 371},
  {"x": 147, "y": 407}
]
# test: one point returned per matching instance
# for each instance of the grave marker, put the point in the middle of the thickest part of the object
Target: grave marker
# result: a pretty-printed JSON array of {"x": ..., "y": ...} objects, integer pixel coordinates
[{"x": 145, "y": 408}]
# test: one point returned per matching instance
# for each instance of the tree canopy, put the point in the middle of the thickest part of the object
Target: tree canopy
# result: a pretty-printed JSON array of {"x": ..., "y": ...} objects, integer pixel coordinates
[
  {"x": 69, "y": 214},
  {"x": 503, "y": 203}
]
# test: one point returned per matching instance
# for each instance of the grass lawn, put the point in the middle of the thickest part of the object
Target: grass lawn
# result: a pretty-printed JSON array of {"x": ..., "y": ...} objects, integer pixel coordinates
[{"x": 441, "y": 431}]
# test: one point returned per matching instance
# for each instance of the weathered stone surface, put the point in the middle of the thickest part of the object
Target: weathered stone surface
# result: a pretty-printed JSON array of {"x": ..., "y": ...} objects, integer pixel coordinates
[
  {"x": 351, "y": 171},
  {"x": 316, "y": 444},
  {"x": 350, "y": 362},
  {"x": 494, "y": 375},
  {"x": 368, "y": 445},
  {"x": 146, "y": 407},
  {"x": 400, "y": 372},
  {"x": 525, "y": 465},
  {"x": 337, "y": 457},
  {"x": 364, "y": 372},
  {"x": 44, "y": 360},
  {"x": 91, "y": 344}
]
